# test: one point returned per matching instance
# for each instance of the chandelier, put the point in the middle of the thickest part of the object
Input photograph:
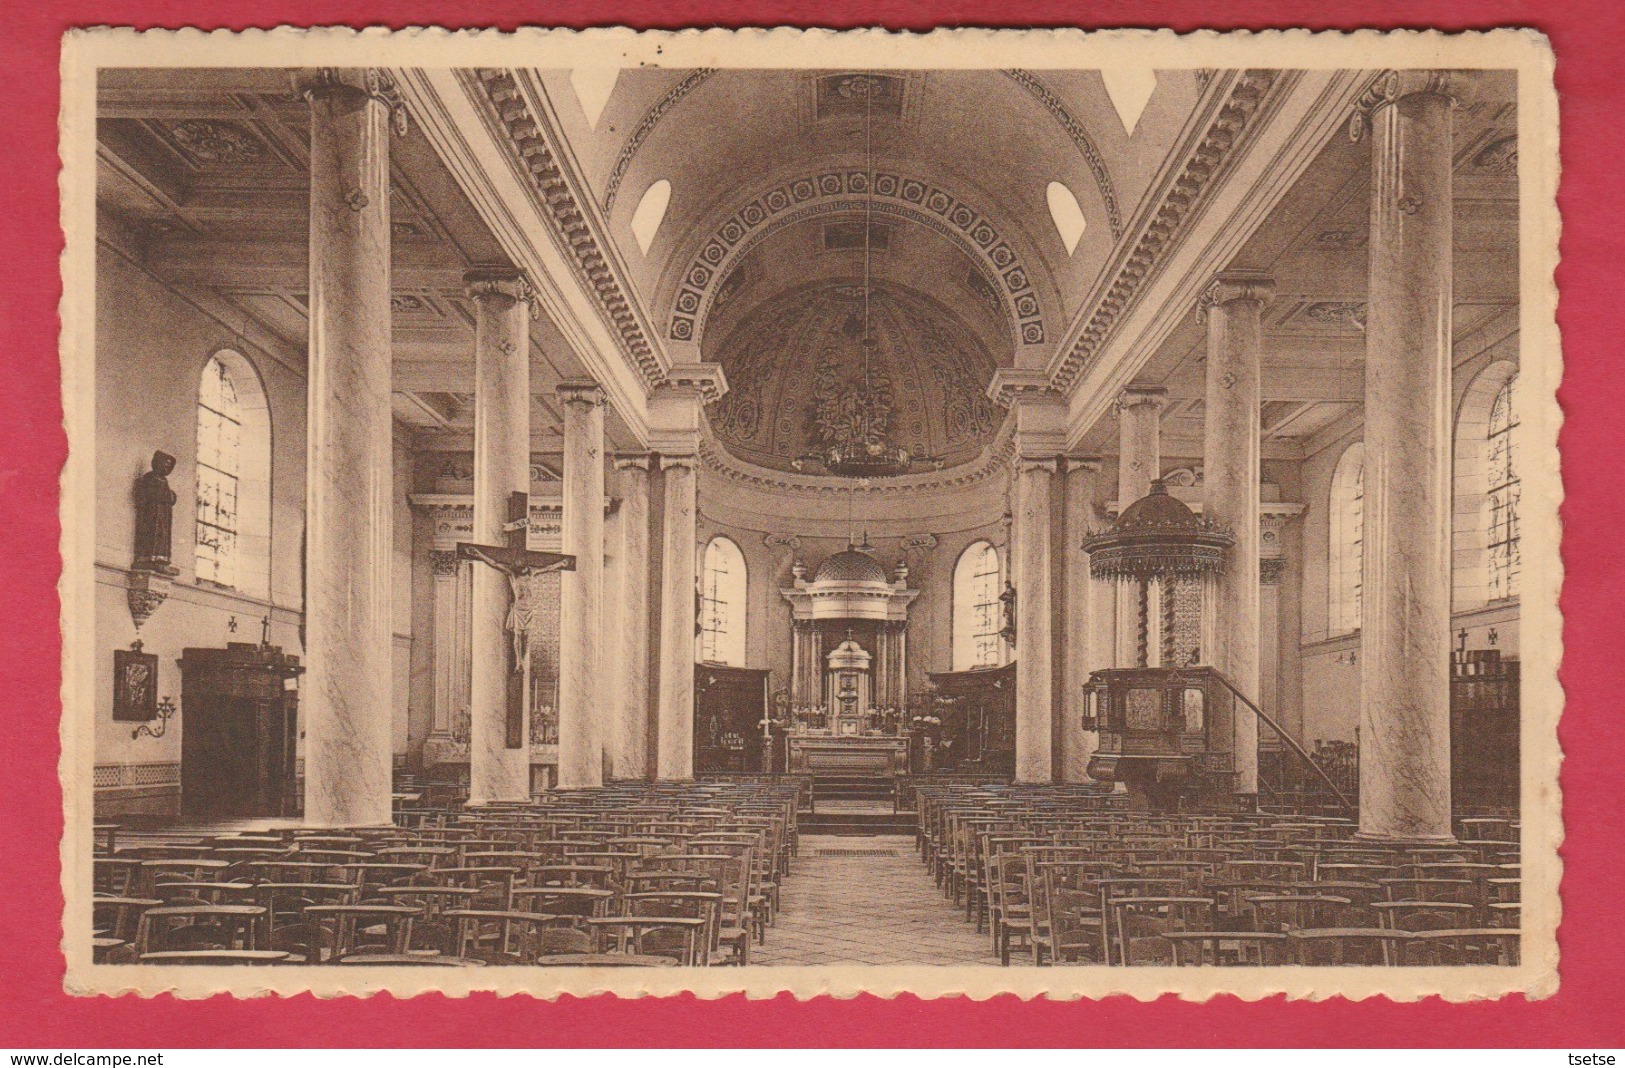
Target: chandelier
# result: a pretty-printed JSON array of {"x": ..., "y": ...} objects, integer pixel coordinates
[{"x": 862, "y": 447}]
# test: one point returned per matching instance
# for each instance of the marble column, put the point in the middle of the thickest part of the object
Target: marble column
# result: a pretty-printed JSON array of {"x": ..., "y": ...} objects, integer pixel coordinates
[
  {"x": 497, "y": 772},
  {"x": 583, "y": 700},
  {"x": 629, "y": 753},
  {"x": 451, "y": 612},
  {"x": 1405, "y": 603},
  {"x": 348, "y": 689},
  {"x": 1139, "y": 463},
  {"x": 1035, "y": 650},
  {"x": 675, "y": 743},
  {"x": 1234, "y": 307},
  {"x": 1077, "y": 649}
]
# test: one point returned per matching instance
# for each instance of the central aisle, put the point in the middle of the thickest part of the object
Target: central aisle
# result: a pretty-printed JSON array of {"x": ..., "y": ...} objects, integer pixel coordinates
[{"x": 867, "y": 900}]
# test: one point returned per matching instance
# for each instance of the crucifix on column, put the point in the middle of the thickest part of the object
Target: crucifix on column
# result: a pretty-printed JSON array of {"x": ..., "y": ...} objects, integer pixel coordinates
[{"x": 520, "y": 564}]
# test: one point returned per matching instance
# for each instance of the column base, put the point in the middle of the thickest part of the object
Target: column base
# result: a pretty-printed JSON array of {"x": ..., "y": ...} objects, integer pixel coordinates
[{"x": 1423, "y": 841}]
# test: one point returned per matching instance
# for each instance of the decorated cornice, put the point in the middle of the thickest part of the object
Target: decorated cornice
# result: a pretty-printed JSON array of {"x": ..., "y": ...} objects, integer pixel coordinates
[
  {"x": 839, "y": 192},
  {"x": 1161, "y": 226},
  {"x": 646, "y": 126},
  {"x": 1080, "y": 137},
  {"x": 535, "y": 148},
  {"x": 993, "y": 462}
]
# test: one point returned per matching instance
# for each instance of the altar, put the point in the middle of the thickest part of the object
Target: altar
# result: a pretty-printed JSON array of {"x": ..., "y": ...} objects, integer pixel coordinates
[{"x": 872, "y": 756}]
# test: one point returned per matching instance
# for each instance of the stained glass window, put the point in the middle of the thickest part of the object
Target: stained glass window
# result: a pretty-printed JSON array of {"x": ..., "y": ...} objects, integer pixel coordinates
[
  {"x": 1504, "y": 492},
  {"x": 723, "y": 587},
  {"x": 219, "y": 473},
  {"x": 1347, "y": 548},
  {"x": 978, "y": 612}
]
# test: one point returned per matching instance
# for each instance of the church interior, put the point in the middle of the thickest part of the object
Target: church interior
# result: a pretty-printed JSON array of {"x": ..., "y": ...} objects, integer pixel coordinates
[{"x": 677, "y": 517}]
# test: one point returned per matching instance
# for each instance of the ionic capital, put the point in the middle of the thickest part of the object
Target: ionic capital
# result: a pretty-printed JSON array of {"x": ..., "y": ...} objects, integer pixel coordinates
[
  {"x": 1392, "y": 86},
  {"x": 581, "y": 391},
  {"x": 1152, "y": 397},
  {"x": 688, "y": 462},
  {"x": 506, "y": 285},
  {"x": 632, "y": 461},
  {"x": 1232, "y": 287},
  {"x": 370, "y": 83}
]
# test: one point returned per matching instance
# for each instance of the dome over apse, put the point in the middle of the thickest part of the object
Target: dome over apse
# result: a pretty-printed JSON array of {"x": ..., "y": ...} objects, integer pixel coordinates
[
  {"x": 851, "y": 565},
  {"x": 795, "y": 368}
]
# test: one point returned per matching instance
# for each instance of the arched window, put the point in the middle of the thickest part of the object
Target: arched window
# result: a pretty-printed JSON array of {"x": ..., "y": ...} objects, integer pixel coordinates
[
  {"x": 233, "y": 528},
  {"x": 1484, "y": 537},
  {"x": 1501, "y": 460},
  {"x": 723, "y": 587},
  {"x": 1345, "y": 558},
  {"x": 978, "y": 612},
  {"x": 650, "y": 212}
]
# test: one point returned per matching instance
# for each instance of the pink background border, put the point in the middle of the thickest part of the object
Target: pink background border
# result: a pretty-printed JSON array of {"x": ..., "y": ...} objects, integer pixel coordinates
[{"x": 1589, "y": 1010}]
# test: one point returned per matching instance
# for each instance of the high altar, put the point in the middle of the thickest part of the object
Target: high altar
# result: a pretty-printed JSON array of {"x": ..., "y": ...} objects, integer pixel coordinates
[{"x": 847, "y": 703}]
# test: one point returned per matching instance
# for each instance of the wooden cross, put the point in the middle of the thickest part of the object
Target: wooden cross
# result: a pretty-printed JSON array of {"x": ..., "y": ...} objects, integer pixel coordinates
[{"x": 518, "y": 563}]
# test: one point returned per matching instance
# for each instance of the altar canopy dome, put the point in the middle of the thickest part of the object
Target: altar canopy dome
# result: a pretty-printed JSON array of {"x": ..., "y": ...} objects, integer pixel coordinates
[
  {"x": 852, "y": 566},
  {"x": 795, "y": 367}
]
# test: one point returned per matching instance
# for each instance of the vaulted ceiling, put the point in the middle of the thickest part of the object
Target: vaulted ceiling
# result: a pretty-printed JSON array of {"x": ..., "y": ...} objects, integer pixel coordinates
[{"x": 940, "y": 157}]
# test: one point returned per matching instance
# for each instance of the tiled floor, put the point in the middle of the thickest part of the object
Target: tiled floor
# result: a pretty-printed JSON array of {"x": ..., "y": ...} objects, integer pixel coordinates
[{"x": 867, "y": 900}]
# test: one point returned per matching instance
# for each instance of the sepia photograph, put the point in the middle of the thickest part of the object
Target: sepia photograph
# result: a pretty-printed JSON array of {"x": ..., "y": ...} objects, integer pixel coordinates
[{"x": 1034, "y": 512}]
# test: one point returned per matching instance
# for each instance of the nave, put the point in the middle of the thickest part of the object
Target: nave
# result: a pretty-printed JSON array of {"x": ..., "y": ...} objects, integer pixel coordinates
[{"x": 718, "y": 874}]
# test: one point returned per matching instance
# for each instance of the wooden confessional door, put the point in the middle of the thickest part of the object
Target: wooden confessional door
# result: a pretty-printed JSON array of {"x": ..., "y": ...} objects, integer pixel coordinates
[
  {"x": 729, "y": 705},
  {"x": 239, "y": 731}
]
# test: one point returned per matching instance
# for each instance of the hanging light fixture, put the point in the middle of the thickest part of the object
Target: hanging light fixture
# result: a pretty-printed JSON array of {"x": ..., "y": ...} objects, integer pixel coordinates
[{"x": 866, "y": 449}]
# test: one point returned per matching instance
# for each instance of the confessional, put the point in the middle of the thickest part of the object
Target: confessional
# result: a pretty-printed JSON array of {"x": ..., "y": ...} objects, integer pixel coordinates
[
  {"x": 1484, "y": 729},
  {"x": 239, "y": 731},
  {"x": 729, "y": 706},
  {"x": 977, "y": 732}
]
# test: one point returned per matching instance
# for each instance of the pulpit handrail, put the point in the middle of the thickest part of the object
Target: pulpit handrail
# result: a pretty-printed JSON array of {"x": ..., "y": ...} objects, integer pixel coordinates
[{"x": 1290, "y": 741}]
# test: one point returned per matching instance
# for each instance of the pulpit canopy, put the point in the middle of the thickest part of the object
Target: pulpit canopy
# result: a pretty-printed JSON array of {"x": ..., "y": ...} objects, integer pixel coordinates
[{"x": 1158, "y": 536}]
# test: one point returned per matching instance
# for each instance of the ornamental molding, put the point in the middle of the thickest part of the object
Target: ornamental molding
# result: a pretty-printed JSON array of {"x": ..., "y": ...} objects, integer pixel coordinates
[
  {"x": 994, "y": 462},
  {"x": 1080, "y": 137},
  {"x": 452, "y": 516},
  {"x": 846, "y": 191},
  {"x": 646, "y": 126},
  {"x": 533, "y": 144},
  {"x": 505, "y": 284},
  {"x": 1160, "y": 227}
]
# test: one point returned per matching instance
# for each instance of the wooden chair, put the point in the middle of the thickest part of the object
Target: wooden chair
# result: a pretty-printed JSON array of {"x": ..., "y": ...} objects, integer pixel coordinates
[
  {"x": 189, "y": 927},
  {"x": 1228, "y": 948},
  {"x": 1494, "y": 945},
  {"x": 1349, "y": 945},
  {"x": 343, "y": 930}
]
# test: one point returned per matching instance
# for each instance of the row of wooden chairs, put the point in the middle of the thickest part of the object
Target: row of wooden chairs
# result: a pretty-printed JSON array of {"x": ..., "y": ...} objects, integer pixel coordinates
[
  {"x": 1066, "y": 875},
  {"x": 644, "y": 874}
]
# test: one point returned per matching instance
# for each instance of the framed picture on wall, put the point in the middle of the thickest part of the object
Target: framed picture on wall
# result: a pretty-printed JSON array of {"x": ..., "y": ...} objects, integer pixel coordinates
[{"x": 135, "y": 686}]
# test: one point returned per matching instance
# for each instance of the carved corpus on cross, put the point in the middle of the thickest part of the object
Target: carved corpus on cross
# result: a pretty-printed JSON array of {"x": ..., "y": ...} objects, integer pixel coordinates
[{"x": 520, "y": 565}]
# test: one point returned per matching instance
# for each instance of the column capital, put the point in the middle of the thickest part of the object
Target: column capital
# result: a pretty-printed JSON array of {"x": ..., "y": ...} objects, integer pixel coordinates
[
  {"x": 1080, "y": 464},
  {"x": 507, "y": 284},
  {"x": 1230, "y": 287},
  {"x": 1154, "y": 397},
  {"x": 685, "y": 462},
  {"x": 638, "y": 461},
  {"x": 1033, "y": 463},
  {"x": 1012, "y": 384},
  {"x": 704, "y": 379},
  {"x": 372, "y": 83},
  {"x": 1392, "y": 86},
  {"x": 583, "y": 391}
]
